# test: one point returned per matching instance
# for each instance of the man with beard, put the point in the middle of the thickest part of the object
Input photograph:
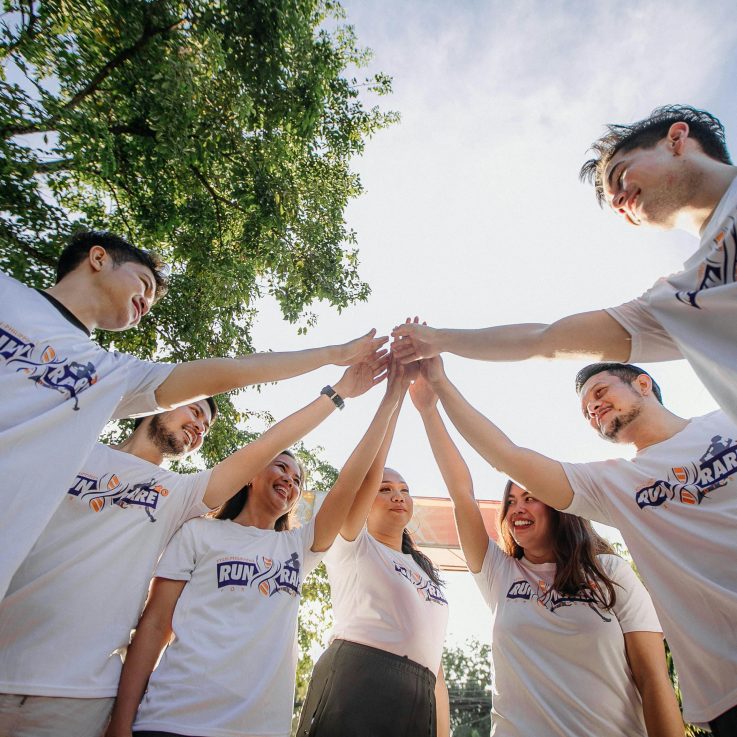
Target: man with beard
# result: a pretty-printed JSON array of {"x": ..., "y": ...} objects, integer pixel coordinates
[
  {"x": 675, "y": 504},
  {"x": 71, "y": 605},
  {"x": 670, "y": 170}
]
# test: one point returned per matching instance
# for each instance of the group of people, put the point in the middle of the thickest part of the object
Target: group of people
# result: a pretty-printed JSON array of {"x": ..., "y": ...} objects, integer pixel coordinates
[{"x": 208, "y": 567}]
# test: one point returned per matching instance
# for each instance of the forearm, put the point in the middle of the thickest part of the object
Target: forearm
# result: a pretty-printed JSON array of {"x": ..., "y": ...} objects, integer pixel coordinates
[
  {"x": 442, "y": 706},
  {"x": 340, "y": 500},
  {"x": 143, "y": 652},
  {"x": 497, "y": 343},
  {"x": 210, "y": 376},
  {"x": 660, "y": 708},
  {"x": 471, "y": 529}
]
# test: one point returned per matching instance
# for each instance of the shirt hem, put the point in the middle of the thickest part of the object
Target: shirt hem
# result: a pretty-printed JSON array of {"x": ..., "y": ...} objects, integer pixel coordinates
[
  {"x": 26, "y": 689},
  {"x": 709, "y": 713}
]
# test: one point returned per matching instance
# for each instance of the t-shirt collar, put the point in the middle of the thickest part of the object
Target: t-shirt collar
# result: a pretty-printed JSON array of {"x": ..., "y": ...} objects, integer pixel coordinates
[{"x": 68, "y": 314}]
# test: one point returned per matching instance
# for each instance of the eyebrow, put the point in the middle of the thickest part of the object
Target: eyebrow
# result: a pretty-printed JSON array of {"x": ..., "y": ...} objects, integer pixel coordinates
[{"x": 611, "y": 173}]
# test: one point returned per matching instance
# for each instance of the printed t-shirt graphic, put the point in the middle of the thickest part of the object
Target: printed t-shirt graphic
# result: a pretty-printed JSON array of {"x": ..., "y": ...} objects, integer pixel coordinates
[
  {"x": 230, "y": 671},
  {"x": 59, "y": 389},
  {"x": 693, "y": 314},
  {"x": 73, "y": 602},
  {"x": 559, "y": 662},
  {"x": 383, "y": 599},
  {"x": 675, "y": 504}
]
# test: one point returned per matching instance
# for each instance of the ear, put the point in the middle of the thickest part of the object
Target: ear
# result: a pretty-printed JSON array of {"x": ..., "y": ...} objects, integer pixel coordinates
[
  {"x": 677, "y": 137},
  {"x": 644, "y": 384},
  {"x": 97, "y": 257}
]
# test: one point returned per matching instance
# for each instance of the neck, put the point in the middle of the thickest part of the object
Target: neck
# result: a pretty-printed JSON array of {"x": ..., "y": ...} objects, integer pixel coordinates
[
  {"x": 390, "y": 538},
  {"x": 539, "y": 555},
  {"x": 714, "y": 180},
  {"x": 78, "y": 298},
  {"x": 652, "y": 427},
  {"x": 140, "y": 446},
  {"x": 252, "y": 516}
]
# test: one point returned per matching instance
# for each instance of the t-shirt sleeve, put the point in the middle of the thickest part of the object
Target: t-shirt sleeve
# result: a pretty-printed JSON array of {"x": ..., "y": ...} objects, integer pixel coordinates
[
  {"x": 192, "y": 503},
  {"x": 179, "y": 559},
  {"x": 633, "y": 608},
  {"x": 589, "y": 498},
  {"x": 311, "y": 558},
  {"x": 143, "y": 378},
  {"x": 342, "y": 550},
  {"x": 484, "y": 579},
  {"x": 650, "y": 340}
]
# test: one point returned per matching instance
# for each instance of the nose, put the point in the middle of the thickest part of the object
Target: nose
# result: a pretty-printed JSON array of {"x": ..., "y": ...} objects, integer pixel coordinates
[{"x": 397, "y": 496}]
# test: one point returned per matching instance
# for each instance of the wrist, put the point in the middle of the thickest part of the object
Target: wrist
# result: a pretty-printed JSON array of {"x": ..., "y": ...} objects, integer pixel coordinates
[{"x": 334, "y": 396}]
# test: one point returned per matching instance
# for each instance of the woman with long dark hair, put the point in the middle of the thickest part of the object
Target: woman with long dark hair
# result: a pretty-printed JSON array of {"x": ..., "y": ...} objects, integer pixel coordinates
[
  {"x": 228, "y": 589},
  {"x": 381, "y": 674},
  {"x": 576, "y": 646}
]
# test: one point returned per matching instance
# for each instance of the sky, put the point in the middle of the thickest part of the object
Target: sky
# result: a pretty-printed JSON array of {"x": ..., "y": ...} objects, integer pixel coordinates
[{"x": 473, "y": 214}]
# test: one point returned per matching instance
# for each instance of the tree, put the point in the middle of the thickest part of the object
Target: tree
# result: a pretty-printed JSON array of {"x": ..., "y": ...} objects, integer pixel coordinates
[
  {"x": 467, "y": 672},
  {"x": 218, "y": 133}
]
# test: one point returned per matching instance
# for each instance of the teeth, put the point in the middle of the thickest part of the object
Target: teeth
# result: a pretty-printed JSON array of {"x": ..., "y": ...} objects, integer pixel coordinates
[{"x": 522, "y": 523}]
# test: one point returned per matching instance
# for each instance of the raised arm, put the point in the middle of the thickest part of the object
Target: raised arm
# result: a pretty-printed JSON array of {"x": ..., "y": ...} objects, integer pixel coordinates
[
  {"x": 541, "y": 476},
  {"x": 152, "y": 635},
  {"x": 340, "y": 503},
  {"x": 595, "y": 335},
  {"x": 356, "y": 517},
  {"x": 471, "y": 530},
  {"x": 238, "y": 469},
  {"x": 199, "y": 379}
]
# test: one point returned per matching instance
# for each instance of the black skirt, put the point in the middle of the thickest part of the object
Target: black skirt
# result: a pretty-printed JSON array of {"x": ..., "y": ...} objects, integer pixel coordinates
[{"x": 360, "y": 691}]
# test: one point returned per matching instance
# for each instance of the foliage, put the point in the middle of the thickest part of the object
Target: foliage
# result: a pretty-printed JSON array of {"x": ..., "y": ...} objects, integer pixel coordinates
[
  {"x": 219, "y": 133},
  {"x": 467, "y": 672}
]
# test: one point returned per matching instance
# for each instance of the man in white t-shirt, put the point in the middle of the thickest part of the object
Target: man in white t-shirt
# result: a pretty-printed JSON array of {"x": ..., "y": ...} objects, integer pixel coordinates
[
  {"x": 675, "y": 504},
  {"x": 670, "y": 170},
  {"x": 59, "y": 388}
]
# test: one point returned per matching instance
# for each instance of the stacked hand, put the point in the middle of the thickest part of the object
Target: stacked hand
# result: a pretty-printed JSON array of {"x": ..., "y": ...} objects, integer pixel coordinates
[
  {"x": 365, "y": 348},
  {"x": 413, "y": 342},
  {"x": 360, "y": 377}
]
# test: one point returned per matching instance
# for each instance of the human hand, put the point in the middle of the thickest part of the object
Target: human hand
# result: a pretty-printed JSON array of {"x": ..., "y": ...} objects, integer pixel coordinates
[
  {"x": 360, "y": 377},
  {"x": 433, "y": 371},
  {"x": 413, "y": 341},
  {"x": 421, "y": 391},
  {"x": 365, "y": 348}
]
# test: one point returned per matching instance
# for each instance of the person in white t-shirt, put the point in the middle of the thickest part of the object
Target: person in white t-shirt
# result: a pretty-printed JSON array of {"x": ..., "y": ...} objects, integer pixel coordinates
[
  {"x": 670, "y": 170},
  {"x": 59, "y": 388},
  {"x": 675, "y": 504},
  {"x": 93, "y": 562},
  {"x": 228, "y": 589},
  {"x": 576, "y": 646},
  {"x": 382, "y": 673}
]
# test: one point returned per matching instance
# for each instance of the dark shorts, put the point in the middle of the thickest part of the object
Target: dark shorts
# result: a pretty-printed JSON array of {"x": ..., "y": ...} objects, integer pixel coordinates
[
  {"x": 359, "y": 691},
  {"x": 726, "y": 724}
]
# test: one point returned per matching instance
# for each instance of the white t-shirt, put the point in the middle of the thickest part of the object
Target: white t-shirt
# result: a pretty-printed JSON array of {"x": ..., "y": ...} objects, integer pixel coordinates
[
  {"x": 559, "y": 664},
  {"x": 383, "y": 599},
  {"x": 675, "y": 504},
  {"x": 58, "y": 389},
  {"x": 71, "y": 605},
  {"x": 231, "y": 670},
  {"x": 693, "y": 314}
]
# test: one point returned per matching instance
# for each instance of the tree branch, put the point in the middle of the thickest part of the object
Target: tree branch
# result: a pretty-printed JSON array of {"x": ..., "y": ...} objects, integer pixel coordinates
[
  {"x": 49, "y": 167},
  {"x": 217, "y": 199},
  {"x": 7, "y": 232}
]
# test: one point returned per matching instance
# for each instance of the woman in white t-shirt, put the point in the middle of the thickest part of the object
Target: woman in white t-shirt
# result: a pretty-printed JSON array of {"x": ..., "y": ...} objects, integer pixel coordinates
[
  {"x": 228, "y": 588},
  {"x": 576, "y": 646},
  {"x": 381, "y": 674}
]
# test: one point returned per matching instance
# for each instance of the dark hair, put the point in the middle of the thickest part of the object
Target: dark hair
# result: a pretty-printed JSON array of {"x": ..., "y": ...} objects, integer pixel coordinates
[
  {"x": 120, "y": 250},
  {"x": 576, "y": 546},
  {"x": 409, "y": 548},
  {"x": 210, "y": 402},
  {"x": 703, "y": 127},
  {"x": 234, "y": 506},
  {"x": 625, "y": 371}
]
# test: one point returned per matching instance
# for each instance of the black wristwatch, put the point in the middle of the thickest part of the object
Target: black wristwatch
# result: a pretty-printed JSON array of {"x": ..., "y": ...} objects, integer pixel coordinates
[{"x": 334, "y": 397}]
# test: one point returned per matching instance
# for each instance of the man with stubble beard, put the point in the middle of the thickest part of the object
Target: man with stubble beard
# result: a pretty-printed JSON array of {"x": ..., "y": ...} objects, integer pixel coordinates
[{"x": 675, "y": 503}]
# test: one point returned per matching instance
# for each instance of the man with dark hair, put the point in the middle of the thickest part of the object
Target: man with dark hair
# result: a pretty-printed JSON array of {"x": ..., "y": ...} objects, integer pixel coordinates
[
  {"x": 66, "y": 619},
  {"x": 675, "y": 504},
  {"x": 671, "y": 170},
  {"x": 625, "y": 371},
  {"x": 60, "y": 388}
]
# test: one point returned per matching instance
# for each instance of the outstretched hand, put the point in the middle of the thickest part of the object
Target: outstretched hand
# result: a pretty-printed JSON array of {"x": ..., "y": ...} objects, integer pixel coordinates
[
  {"x": 360, "y": 377},
  {"x": 421, "y": 391},
  {"x": 413, "y": 342},
  {"x": 365, "y": 348}
]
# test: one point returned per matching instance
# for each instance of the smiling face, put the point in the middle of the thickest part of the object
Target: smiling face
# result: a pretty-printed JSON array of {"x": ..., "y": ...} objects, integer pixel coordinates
[
  {"x": 180, "y": 431},
  {"x": 392, "y": 508},
  {"x": 612, "y": 406},
  {"x": 652, "y": 186},
  {"x": 277, "y": 488},
  {"x": 529, "y": 521},
  {"x": 127, "y": 291}
]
